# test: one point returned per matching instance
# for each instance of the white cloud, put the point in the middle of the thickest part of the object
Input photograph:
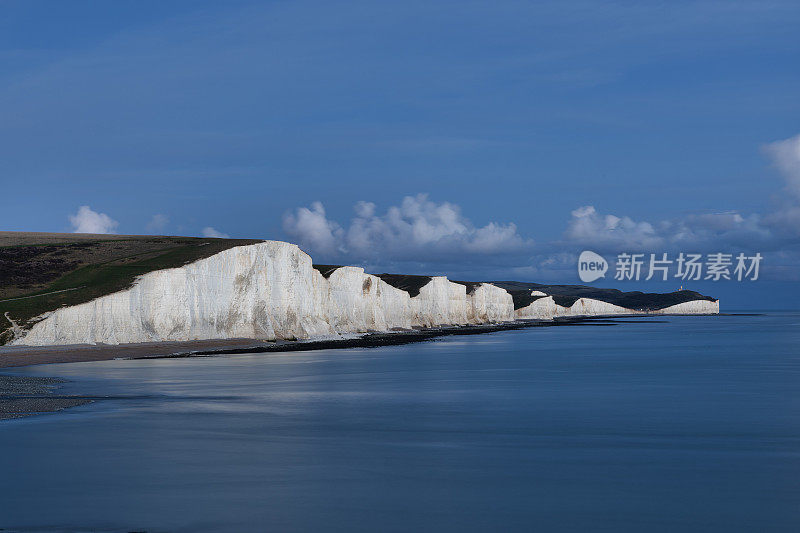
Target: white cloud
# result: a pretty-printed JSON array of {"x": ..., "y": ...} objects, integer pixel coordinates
[
  {"x": 437, "y": 237},
  {"x": 208, "y": 231},
  {"x": 721, "y": 230},
  {"x": 157, "y": 223},
  {"x": 496, "y": 238},
  {"x": 418, "y": 229},
  {"x": 313, "y": 229},
  {"x": 88, "y": 221},
  {"x": 773, "y": 230},
  {"x": 589, "y": 228},
  {"x": 707, "y": 231},
  {"x": 785, "y": 156}
]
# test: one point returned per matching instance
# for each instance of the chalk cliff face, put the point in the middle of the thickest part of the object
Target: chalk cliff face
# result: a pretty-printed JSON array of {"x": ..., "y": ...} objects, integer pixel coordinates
[
  {"x": 544, "y": 308},
  {"x": 359, "y": 302},
  {"x": 547, "y": 309},
  {"x": 440, "y": 302},
  {"x": 590, "y": 307},
  {"x": 263, "y": 291},
  {"x": 489, "y": 304},
  {"x": 271, "y": 291},
  {"x": 696, "y": 307}
]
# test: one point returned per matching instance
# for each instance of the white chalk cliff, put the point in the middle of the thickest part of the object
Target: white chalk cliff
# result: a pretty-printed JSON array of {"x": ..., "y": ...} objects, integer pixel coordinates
[
  {"x": 271, "y": 291},
  {"x": 546, "y": 309}
]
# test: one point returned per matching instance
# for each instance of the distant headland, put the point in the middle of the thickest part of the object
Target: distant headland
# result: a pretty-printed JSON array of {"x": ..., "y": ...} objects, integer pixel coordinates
[{"x": 67, "y": 289}]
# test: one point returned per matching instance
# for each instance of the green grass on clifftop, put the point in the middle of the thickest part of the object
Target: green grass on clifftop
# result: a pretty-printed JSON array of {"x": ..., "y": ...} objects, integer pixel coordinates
[{"x": 42, "y": 272}]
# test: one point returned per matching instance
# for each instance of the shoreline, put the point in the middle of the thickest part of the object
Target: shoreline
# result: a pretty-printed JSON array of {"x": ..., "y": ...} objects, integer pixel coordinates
[
  {"x": 23, "y": 396},
  {"x": 397, "y": 338},
  {"x": 20, "y": 356}
]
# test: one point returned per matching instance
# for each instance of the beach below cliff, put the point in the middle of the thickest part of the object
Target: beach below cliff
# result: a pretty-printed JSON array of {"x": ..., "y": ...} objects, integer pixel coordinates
[{"x": 17, "y": 356}]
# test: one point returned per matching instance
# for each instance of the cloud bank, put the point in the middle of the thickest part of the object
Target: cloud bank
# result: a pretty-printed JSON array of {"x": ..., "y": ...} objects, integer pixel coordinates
[
  {"x": 440, "y": 236},
  {"x": 420, "y": 234},
  {"x": 418, "y": 229},
  {"x": 699, "y": 232},
  {"x": 88, "y": 221},
  {"x": 776, "y": 230}
]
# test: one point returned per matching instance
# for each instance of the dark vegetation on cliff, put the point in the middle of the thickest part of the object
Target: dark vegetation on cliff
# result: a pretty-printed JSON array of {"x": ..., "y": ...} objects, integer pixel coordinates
[
  {"x": 327, "y": 270},
  {"x": 41, "y": 272},
  {"x": 406, "y": 282},
  {"x": 523, "y": 298}
]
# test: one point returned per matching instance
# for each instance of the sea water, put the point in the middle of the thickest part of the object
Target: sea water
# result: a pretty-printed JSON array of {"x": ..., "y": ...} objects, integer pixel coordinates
[{"x": 676, "y": 424}]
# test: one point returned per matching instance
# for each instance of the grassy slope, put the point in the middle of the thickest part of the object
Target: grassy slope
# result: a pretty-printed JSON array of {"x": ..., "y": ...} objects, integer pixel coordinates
[{"x": 85, "y": 269}]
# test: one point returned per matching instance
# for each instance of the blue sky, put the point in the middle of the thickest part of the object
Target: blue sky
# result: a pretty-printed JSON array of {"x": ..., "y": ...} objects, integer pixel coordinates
[{"x": 511, "y": 117}]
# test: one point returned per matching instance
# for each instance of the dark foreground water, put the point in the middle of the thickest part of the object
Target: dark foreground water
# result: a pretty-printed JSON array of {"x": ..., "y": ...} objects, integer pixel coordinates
[{"x": 688, "y": 425}]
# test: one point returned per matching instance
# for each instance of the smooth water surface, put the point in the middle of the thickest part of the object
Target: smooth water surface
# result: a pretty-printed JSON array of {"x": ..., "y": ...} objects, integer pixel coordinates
[{"x": 690, "y": 424}]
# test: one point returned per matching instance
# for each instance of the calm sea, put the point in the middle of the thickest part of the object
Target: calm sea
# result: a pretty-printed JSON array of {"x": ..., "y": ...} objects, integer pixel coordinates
[{"x": 685, "y": 424}]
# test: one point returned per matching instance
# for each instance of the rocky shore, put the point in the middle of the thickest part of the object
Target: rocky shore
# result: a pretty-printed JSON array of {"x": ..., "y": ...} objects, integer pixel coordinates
[{"x": 24, "y": 396}]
